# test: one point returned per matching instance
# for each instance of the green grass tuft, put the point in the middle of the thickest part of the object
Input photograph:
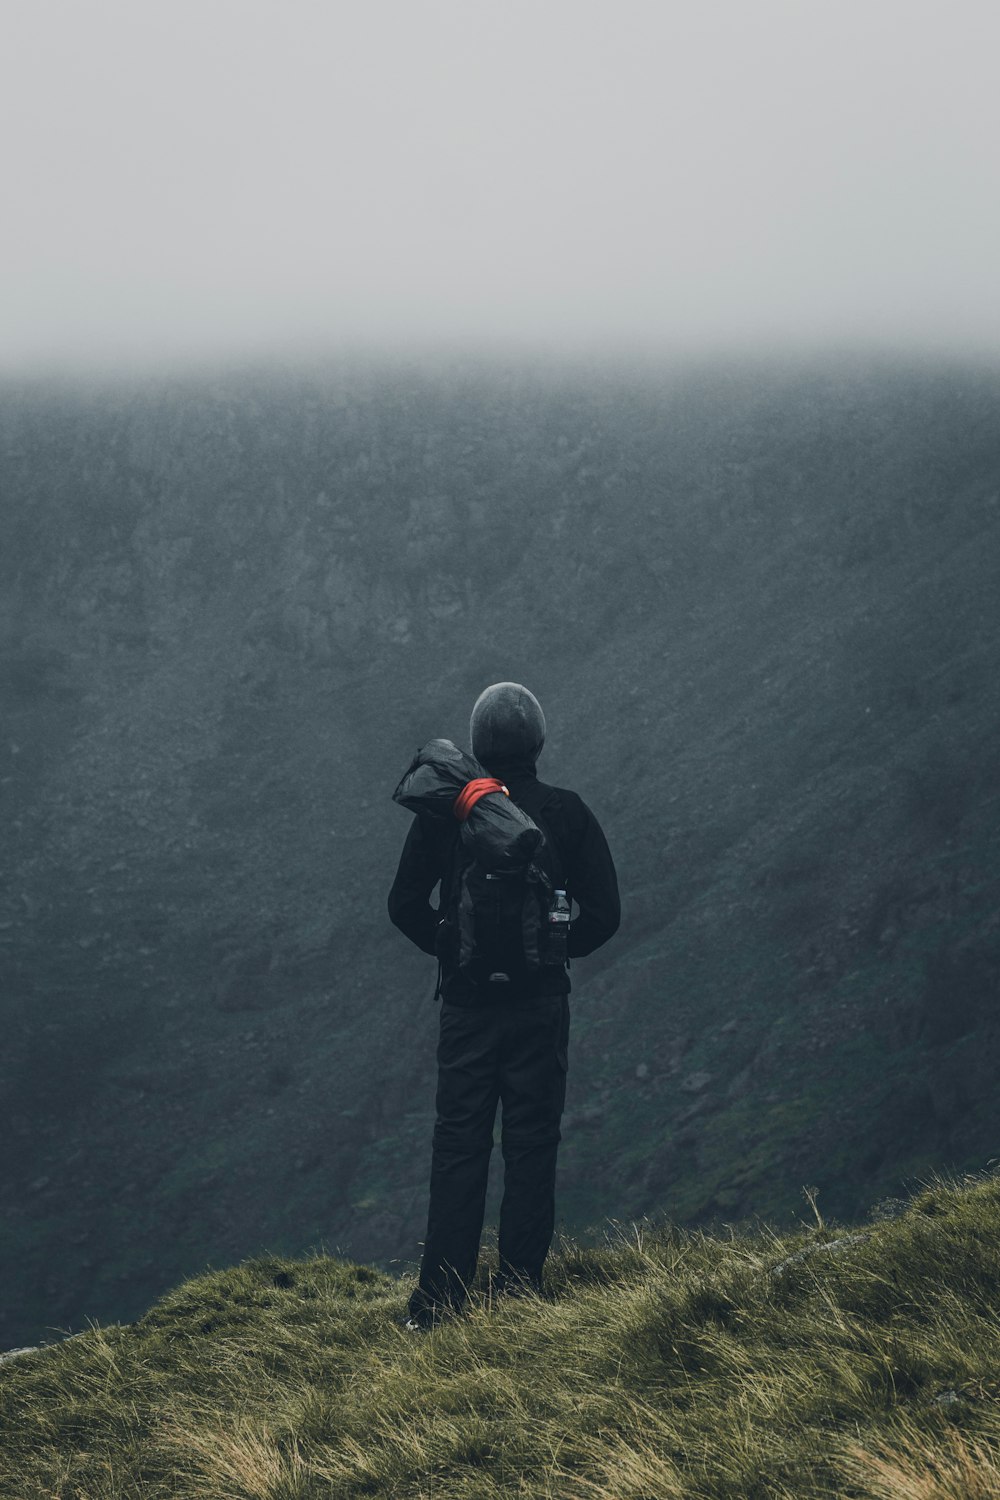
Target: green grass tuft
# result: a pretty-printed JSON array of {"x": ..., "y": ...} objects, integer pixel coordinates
[{"x": 827, "y": 1363}]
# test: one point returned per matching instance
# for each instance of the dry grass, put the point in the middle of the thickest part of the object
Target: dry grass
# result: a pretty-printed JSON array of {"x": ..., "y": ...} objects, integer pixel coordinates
[{"x": 672, "y": 1365}]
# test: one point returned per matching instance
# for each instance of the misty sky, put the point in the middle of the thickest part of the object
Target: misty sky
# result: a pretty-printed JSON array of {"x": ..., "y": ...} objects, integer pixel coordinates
[{"x": 190, "y": 176}]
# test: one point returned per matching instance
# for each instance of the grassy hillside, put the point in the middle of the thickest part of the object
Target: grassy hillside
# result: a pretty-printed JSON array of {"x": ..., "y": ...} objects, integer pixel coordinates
[
  {"x": 760, "y": 607},
  {"x": 825, "y": 1363}
]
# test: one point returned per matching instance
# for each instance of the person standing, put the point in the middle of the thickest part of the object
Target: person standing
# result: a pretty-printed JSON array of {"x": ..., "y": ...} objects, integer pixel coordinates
[{"x": 503, "y": 1036}]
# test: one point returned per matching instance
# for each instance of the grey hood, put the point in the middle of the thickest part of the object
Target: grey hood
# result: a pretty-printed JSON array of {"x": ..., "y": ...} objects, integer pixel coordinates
[{"x": 507, "y": 725}]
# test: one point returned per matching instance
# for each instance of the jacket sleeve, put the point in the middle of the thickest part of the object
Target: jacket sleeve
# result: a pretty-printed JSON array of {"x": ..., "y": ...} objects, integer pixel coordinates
[
  {"x": 421, "y": 867},
  {"x": 593, "y": 885}
]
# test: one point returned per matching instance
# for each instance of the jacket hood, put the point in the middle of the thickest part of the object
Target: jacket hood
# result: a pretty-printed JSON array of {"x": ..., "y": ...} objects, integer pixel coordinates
[{"x": 507, "y": 727}]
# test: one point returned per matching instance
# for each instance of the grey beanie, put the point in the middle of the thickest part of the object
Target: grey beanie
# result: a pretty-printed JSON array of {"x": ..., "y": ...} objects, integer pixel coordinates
[{"x": 507, "y": 724}]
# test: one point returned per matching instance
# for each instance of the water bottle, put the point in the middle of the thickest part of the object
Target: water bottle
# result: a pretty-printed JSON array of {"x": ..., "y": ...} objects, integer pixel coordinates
[{"x": 559, "y": 914}]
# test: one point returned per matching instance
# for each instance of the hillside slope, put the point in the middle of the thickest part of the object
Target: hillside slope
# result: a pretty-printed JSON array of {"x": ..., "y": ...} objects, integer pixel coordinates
[
  {"x": 854, "y": 1364},
  {"x": 760, "y": 607}
]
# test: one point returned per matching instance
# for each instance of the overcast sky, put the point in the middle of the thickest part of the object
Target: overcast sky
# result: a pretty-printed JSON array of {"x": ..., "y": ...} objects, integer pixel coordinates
[{"x": 191, "y": 176}]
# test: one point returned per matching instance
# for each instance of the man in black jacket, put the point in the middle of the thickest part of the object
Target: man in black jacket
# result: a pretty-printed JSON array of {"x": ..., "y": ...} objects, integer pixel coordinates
[{"x": 500, "y": 1042}]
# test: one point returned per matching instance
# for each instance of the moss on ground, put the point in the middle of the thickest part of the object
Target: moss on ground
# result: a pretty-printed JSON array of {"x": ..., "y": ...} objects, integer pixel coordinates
[{"x": 663, "y": 1364}]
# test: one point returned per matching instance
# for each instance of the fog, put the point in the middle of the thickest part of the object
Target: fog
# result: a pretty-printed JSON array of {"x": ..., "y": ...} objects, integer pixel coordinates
[{"x": 211, "y": 177}]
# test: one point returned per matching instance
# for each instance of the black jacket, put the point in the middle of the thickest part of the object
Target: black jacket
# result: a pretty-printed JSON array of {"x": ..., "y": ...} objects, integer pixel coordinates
[{"x": 587, "y": 869}]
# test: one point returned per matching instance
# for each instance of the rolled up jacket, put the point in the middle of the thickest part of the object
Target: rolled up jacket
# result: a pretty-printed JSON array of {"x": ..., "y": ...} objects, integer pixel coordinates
[{"x": 497, "y": 832}]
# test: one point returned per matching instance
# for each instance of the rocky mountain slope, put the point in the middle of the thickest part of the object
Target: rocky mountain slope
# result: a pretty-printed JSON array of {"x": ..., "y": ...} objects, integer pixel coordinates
[{"x": 760, "y": 608}]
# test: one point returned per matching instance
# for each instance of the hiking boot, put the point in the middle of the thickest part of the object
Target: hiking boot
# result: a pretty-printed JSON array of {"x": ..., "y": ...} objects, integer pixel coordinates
[
  {"x": 423, "y": 1314},
  {"x": 427, "y": 1319},
  {"x": 513, "y": 1285}
]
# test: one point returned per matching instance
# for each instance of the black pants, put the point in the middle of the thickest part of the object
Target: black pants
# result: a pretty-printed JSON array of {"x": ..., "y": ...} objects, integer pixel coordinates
[{"x": 514, "y": 1054}]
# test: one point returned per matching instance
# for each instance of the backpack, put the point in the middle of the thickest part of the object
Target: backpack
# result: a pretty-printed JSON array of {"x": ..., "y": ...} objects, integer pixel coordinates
[{"x": 494, "y": 923}]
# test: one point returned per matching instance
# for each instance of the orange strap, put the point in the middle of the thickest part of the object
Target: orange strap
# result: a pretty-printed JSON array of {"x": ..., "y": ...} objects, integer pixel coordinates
[{"x": 471, "y": 793}]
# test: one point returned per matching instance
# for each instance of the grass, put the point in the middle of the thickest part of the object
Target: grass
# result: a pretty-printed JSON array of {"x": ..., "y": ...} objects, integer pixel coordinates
[{"x": 663, "y": 1364}]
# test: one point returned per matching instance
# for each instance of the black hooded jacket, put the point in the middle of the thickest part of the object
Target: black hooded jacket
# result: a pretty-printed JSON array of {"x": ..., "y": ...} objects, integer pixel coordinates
[{"x": 586, "y": 863}]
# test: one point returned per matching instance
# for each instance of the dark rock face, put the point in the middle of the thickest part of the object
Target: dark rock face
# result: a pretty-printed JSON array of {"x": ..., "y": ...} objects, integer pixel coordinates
[{"x": 760, "y": 609}]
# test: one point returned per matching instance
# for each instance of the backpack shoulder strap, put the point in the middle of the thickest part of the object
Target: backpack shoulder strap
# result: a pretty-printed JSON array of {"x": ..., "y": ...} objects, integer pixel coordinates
[
  {"x": 453, "y": 863},
  {"x": 450, "y": 896},
  {"x": 534, "y": 798}
]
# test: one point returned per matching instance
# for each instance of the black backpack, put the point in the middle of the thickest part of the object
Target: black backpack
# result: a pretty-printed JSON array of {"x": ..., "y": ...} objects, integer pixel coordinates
[{"x": 494, "y": 926}]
